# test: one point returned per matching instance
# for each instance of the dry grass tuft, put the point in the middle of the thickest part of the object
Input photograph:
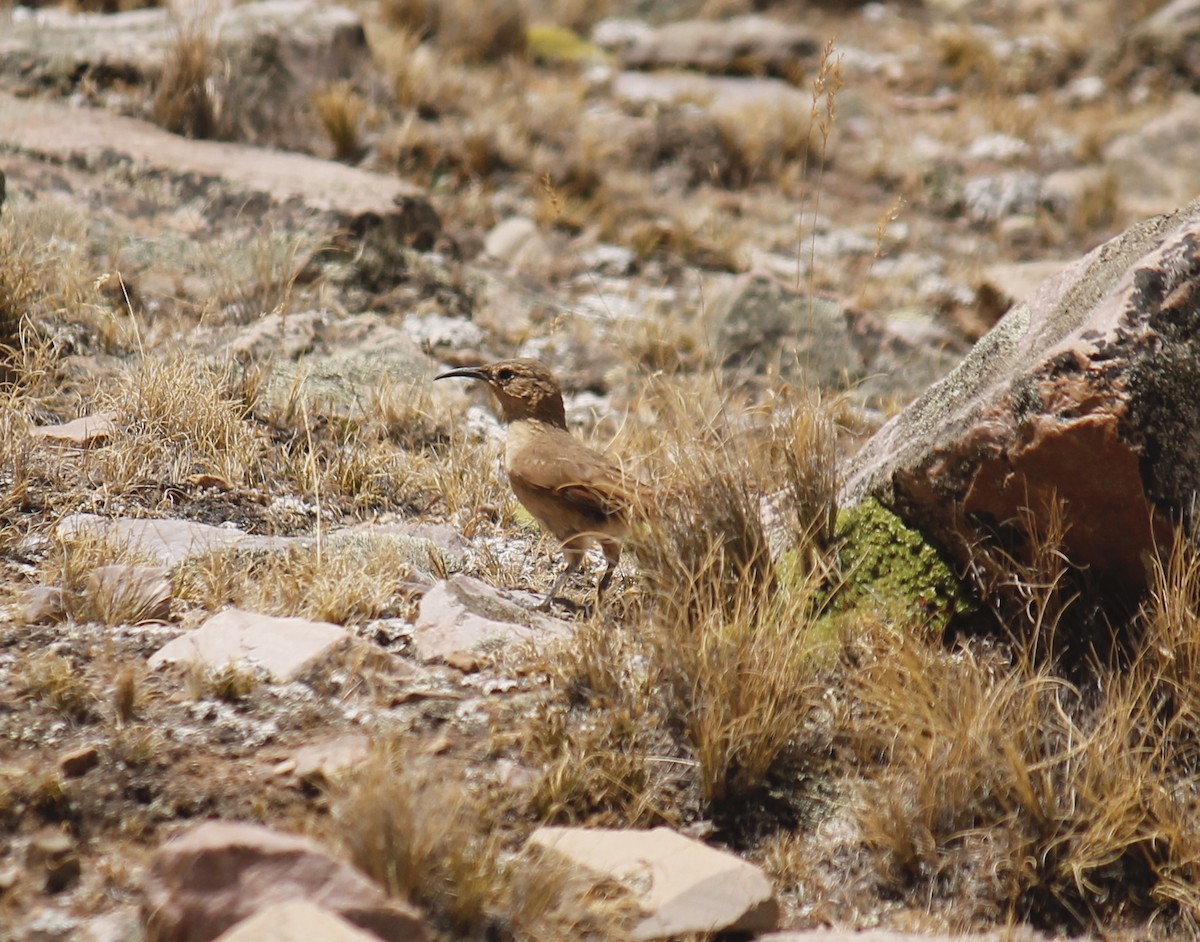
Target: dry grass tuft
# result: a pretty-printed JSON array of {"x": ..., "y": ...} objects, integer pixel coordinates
[
  {"x": 699, "y": 693},
  {"x": 186, "y": 99},
  {"x": 178, "y": 418},
  {"x": 424, "y": 80},
  {"x": 766, "y": 143},
  {"x": 412, "y": 16},
  {"x": 357, "y": 466},
  {"x": 437, "y": 840},
  {"x": 340, "y": 109},
  {"x": 470, "y": 30},
  {"x": 55, "y": 681},
  {"x": 576, "y": 15},
  {"x": 349, "y": 580},
  {"x": 45, "y": 273},
  {"x": 732, "y": 637},
  {"x": 230, "y": 684},
  {"x": 988, "y": 778},
  {"x": 71, "y": 566},
  {"x": 483, "y": 30}
]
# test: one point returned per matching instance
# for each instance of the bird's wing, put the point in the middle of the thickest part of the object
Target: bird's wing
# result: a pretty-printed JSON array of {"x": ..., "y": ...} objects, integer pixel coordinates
[{"x": 592, "y": 484}]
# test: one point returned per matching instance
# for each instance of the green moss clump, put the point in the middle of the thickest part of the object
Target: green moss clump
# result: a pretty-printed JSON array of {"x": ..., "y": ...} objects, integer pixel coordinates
[
  {"x": 892, "y": 572},
  {"x": 557, "y": 44}
]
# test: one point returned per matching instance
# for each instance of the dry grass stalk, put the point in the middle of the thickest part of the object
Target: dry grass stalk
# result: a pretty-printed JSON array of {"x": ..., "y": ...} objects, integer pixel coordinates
[{"x": 823, "y": 114}]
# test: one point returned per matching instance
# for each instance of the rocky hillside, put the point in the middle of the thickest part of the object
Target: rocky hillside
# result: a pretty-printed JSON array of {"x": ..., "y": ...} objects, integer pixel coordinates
[{"x": 270, "y": 660}]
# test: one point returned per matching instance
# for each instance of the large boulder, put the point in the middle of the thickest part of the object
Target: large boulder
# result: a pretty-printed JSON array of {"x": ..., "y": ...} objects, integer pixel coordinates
[
  {"x": 1085, "y": 395},
  {"x": 265, "y": 61},
  {"x": 369, "y": 207}
]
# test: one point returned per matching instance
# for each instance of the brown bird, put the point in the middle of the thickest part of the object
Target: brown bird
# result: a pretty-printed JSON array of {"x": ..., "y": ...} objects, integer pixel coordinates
[{"x": 575, "y": 492}]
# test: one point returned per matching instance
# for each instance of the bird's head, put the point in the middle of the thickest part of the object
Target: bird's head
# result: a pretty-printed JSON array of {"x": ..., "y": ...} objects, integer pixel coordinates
[{"x": 525, "y": 389}]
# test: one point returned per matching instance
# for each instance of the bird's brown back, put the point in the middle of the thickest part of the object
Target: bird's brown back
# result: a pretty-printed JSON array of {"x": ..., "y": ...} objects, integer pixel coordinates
[{"x": 568, "y": 486}]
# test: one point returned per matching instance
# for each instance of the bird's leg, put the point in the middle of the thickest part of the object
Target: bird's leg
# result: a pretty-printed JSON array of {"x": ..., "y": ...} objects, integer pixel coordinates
[
  {"x": 612, "y": 556},
  {"x": 574, "y": 558}
]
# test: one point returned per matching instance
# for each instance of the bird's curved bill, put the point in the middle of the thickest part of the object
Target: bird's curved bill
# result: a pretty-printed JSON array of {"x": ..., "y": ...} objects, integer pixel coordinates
[{"x": 464, "y": 372}]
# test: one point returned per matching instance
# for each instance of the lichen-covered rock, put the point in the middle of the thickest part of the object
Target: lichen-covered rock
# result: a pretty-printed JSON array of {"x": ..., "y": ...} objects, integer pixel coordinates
[{"x": 1083, "y": 395}]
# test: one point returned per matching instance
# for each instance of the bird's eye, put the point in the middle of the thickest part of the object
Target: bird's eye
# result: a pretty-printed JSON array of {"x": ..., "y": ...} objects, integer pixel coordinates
[{"x": 505, "y": 375}]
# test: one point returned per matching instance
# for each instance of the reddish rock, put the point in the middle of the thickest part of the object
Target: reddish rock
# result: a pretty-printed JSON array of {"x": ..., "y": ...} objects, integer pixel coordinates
[
  {"x": 79, "y": 761},
  {"x": 1086, "y": 394},
  {"x": 218, "y": 873}
]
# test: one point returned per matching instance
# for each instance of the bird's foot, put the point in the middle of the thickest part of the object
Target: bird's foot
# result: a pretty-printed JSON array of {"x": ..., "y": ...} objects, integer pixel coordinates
[{"x": 570, "y": 605}]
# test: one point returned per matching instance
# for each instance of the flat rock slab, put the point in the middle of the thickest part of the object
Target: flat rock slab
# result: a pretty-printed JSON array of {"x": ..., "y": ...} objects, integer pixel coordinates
[
  {"x": 364, "y": 354},
  {"x": 82, "y": 432},
  {"x": 718, "y": 93},
  {"x": 61, "y": 132},
  {"x": 168, "y": 542},
  {"x": 139, "y": 41},
  {"x": 462, "y": 614},
  {"x": 683, "y": 885},
  {"x": 295, "y": 921},
  {"x": 286, "y": 648},
  {"x": 218, "y": 873},
  {"x": 743, "y": 44},
  {"x": 318, "y": 762}
]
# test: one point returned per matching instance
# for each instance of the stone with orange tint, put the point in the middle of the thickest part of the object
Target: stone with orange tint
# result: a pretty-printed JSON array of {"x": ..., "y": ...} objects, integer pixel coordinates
[{"x": 1085, "y": 394}]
